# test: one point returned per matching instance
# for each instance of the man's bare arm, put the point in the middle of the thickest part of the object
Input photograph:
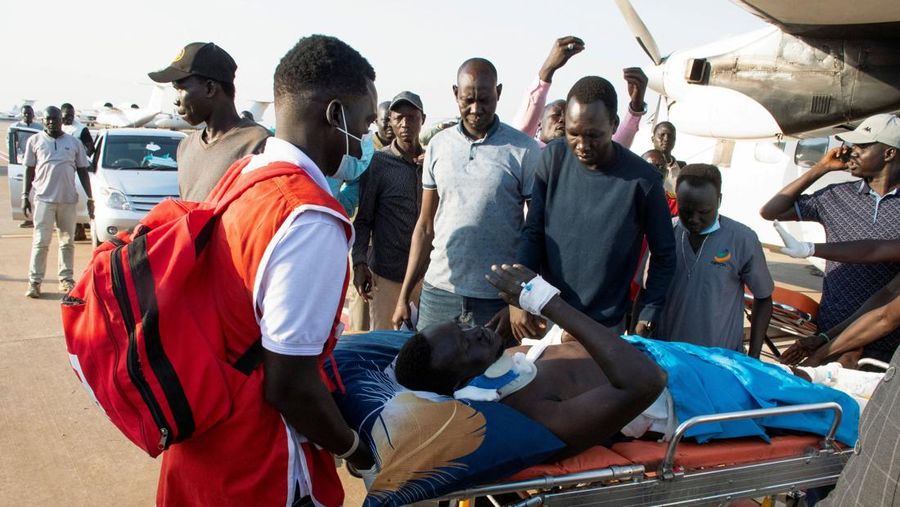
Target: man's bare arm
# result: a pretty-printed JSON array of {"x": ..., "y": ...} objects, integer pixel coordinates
[
  {"x": 866, "y": 251},
  {"x": 878, "y": 316},
  {"x": 781, "y": 206},
  {"x": 27, "y": 206},
  {"x": 760, "y": 315},
  {"x": 29, "y": 180},
  {"x": 419, "y": 254},
  {"x": 294, "y": 387},
  {"x": 861, "y": 332},
  {"x": 85, "y": 180},
  {"x": 635, "y": 381}
]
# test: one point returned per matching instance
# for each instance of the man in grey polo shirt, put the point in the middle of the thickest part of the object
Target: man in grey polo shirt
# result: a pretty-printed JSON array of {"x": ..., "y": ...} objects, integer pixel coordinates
[
  {"x": 715, "y": 258},
  {"x": 475, "y": 179},
  {"x": 52, "y": 159}
]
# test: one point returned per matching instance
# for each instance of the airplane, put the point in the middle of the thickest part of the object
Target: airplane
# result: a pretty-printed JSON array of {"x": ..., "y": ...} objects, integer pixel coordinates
[
  {"x": 822, "y": 65},
  {"x": 128, "y": 116},
  {"x": 15, "y": 112},
  {"x": 175, "y": 122}
]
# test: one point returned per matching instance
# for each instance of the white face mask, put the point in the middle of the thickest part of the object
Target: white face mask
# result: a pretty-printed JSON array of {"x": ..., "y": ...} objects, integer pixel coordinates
[
  {"x": 351, "y": 168},
  {"x": 713, "y": 227}
]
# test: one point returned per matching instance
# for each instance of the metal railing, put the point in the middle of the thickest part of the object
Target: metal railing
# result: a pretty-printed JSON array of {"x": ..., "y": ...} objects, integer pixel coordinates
[{"x": 667, "y": 467}]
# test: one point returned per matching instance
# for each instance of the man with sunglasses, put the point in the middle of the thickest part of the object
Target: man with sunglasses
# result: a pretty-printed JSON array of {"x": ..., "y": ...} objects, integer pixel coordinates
[{"x": 856, "y": 210}]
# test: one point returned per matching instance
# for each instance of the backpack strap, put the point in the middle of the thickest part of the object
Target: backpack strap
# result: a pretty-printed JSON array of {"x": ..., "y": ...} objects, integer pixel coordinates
[
  {"x": 239, "y": 183},
  {"x": 232, "y": 185},
  {"x": 250, "y": 359}
]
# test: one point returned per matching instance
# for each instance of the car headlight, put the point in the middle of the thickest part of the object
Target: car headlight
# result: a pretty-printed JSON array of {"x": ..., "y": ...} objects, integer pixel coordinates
[{"x": 115, "y": 199}]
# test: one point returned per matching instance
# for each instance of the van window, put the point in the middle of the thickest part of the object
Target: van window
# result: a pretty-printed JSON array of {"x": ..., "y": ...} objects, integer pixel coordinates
[
  {"x": 21, "y": 139},
  {"x": 141, "y": 153},
  {"x": 810, "y": 151}
]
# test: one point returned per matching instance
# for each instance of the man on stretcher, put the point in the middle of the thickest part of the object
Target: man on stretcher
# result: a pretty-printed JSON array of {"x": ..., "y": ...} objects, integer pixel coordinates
[{"x": 588, "y": 390}]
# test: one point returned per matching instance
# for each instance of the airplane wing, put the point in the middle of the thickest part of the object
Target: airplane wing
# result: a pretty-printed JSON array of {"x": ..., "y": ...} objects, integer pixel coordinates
[{"x": 860, "y": 19}]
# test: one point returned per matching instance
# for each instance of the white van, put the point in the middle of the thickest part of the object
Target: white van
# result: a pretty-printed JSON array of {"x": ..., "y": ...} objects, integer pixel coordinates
[{"x": 133, "y": 169}]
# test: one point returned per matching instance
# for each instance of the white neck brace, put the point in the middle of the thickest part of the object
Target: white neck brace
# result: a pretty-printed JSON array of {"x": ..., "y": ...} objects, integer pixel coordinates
[{"x": 510, "y": 373}]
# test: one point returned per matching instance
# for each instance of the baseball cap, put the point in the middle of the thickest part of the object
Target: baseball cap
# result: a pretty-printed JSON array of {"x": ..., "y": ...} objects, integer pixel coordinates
[
  {"x": 198, "y": 59},
  {"x": 881, "y": 128},
  {"x": 408, "y": 97}
]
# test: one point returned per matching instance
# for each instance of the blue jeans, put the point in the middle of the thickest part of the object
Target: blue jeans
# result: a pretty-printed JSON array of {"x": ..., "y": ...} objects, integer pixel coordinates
[{"x": 437, "y": 306}]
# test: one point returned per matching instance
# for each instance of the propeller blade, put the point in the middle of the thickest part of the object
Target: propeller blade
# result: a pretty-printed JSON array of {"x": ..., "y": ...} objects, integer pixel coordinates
[
  {"x": 655, "y": 117},
  {"x": 640, "y": 31}
]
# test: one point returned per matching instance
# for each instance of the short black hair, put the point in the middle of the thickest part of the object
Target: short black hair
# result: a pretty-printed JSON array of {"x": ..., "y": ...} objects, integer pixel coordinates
[
  {"x": 322, "y": 63},
  {"x": 664, "y": 124},
  {"x": 590, "y": 89},
  {"x": 414, "y": 371},
  {"x": 698, "y": 174},
  {"x": 66, "y": 105},
  {"x": 28, "y": 106},
  {"x": 478, "y": 64}
]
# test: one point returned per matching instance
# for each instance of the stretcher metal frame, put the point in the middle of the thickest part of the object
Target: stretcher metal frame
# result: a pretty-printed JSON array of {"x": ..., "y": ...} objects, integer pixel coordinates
[{"x": 668, "y": 485}]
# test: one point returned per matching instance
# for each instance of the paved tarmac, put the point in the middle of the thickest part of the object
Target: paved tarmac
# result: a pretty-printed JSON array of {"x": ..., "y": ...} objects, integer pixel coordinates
[{"x": 56, "y": 447}]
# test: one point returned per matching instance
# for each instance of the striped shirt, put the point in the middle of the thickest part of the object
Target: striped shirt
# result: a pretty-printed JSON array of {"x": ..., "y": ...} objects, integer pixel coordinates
[{"x": 848, "y": 212}]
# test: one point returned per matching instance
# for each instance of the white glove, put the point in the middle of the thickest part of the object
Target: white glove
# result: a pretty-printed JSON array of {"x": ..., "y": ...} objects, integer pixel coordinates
[{"x": 792, "y": 247}]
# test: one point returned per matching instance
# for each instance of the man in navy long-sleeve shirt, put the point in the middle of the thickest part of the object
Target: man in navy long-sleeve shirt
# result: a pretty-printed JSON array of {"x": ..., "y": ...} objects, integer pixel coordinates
[{"x": 592, "y": 203}]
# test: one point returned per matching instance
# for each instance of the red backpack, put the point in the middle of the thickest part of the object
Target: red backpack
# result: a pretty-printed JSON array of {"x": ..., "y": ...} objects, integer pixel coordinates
[{"x": 157, "y": 389}]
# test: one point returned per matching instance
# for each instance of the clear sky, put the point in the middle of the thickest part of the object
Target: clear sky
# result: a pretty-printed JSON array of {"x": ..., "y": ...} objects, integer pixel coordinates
[{"x": 101, "y": 50}]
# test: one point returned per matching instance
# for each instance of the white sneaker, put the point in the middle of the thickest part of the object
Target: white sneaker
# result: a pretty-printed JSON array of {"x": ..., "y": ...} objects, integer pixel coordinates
[{"x": 34, "y": 290}]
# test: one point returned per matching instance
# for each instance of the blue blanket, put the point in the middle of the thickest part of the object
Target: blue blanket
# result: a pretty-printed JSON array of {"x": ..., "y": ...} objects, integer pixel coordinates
[{"x": 708, "y": 380}]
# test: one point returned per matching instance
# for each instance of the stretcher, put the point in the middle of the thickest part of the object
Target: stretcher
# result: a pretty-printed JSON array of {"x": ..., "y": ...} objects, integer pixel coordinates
[
  {"x": 644, "y": 473},
  {"x": 793, "y": 315}
]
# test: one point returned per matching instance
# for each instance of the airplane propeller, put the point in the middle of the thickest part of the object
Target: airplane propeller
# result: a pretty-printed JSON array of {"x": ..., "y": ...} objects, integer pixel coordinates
[
  {"x": 648, "y": 44},
  {"x": 640, "y": 31}
]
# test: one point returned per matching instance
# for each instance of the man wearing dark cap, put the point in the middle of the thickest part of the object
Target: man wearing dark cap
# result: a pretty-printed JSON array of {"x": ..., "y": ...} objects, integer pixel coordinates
[
  {"x": 203, "y": 75},
  {"x": 390, "y": 199}
]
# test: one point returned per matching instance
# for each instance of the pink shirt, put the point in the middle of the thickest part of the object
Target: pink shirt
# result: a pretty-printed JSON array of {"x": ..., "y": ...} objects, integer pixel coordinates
[{"x": 529, "y": 116}]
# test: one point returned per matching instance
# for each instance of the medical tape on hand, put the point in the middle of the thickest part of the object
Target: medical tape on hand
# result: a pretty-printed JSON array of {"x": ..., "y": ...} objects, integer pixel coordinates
[{"x": 536, "y": 293}]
